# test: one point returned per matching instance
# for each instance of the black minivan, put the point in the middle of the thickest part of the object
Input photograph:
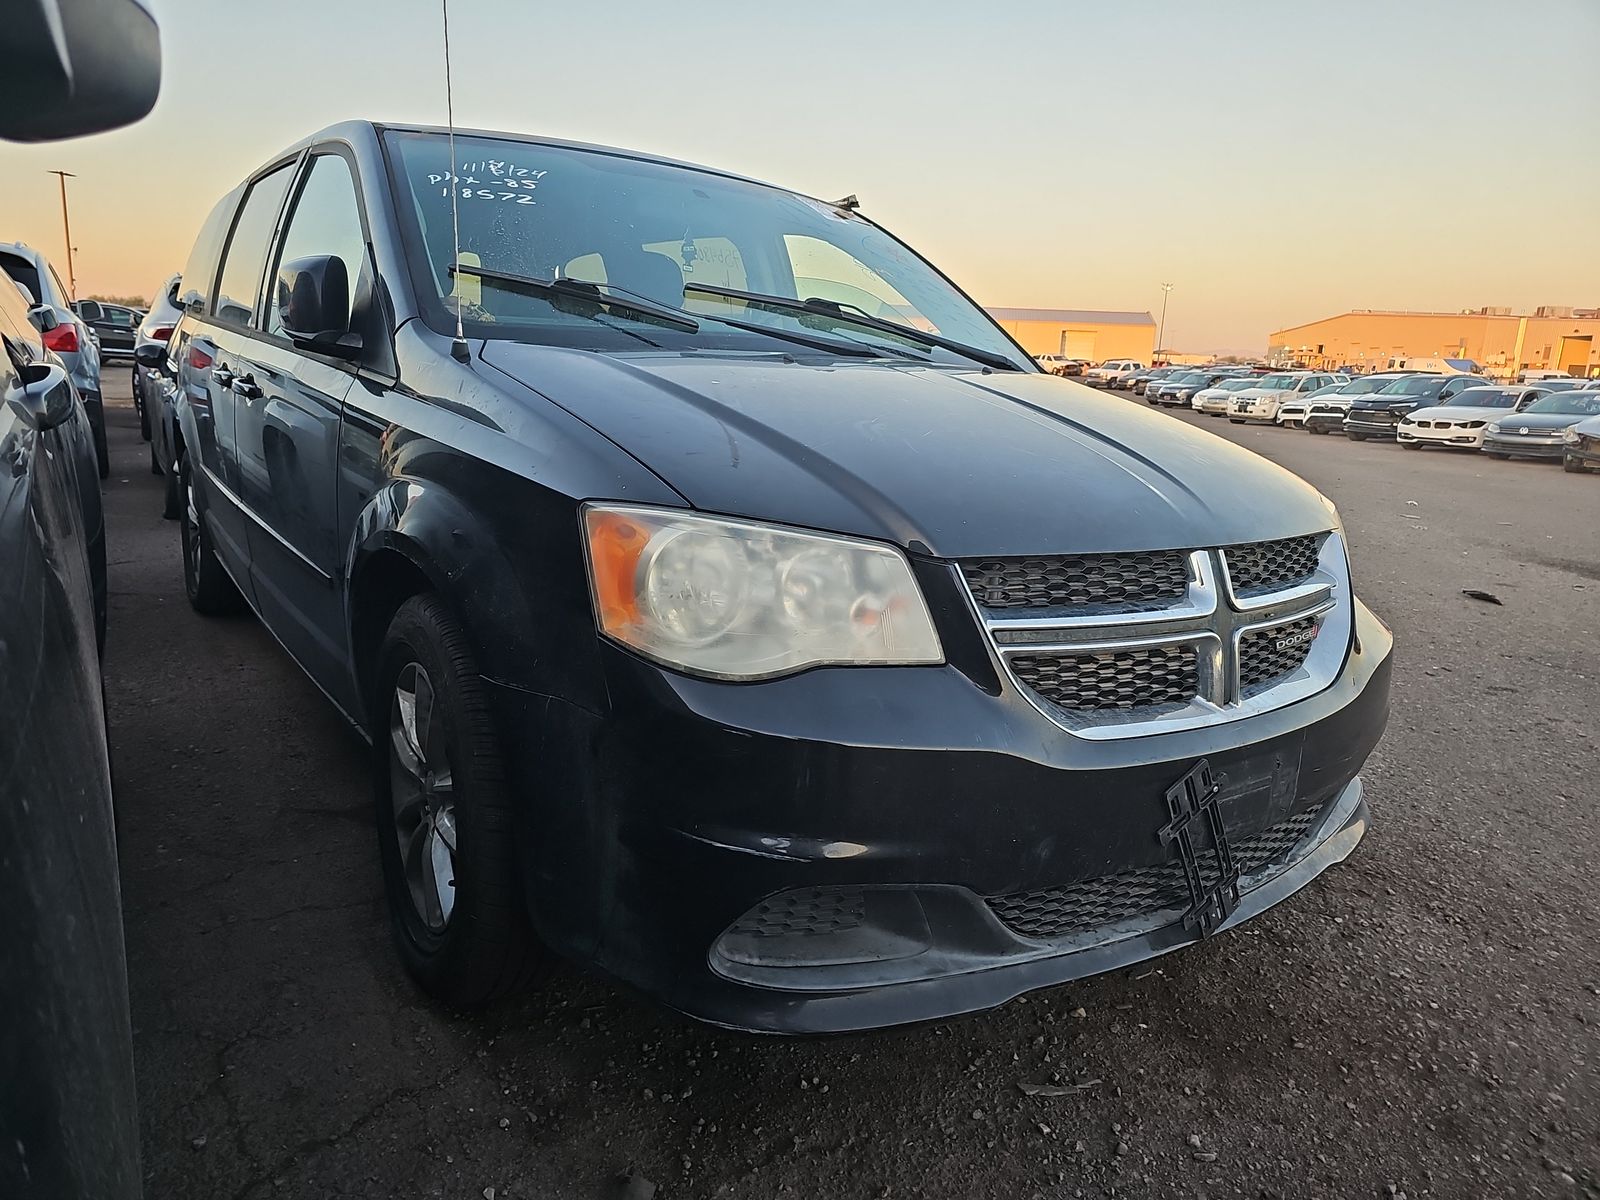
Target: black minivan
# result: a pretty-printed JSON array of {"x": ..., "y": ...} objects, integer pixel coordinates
[{"x": 730, "y": 603}]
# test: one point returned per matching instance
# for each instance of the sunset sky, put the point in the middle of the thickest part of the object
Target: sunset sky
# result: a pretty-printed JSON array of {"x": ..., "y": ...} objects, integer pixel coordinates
[{"x": 1276, "y": 162}]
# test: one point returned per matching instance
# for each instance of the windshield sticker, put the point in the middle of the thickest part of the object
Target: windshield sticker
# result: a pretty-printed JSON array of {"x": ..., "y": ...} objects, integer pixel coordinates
[{"x": 493, "y": 179}]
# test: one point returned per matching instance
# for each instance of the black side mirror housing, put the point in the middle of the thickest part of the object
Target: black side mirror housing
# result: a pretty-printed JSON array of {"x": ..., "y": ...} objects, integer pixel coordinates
[
  {"x": 149, "y": 354},
  {"x": 43, "y": 396},
  {"x": 77, "y": 66},
  {"x": 314, "y": 305}
]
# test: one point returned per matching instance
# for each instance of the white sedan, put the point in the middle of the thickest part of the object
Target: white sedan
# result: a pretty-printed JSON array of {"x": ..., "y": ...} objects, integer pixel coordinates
[
  {"x": 1461, "y": 420},
  {"x": 1260, "y": 403},
  {"x": 1214, "y": 400}
]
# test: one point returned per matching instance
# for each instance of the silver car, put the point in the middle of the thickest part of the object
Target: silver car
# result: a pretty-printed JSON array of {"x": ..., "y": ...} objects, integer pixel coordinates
[{"x": 65, "y": 333}]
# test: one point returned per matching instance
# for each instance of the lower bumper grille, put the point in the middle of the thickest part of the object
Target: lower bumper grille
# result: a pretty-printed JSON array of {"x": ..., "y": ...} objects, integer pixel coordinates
[
  {"x": 803, "y": 911},
  {"x": 1142, "y": 677},
  {"x": 1140, "y": 893}
]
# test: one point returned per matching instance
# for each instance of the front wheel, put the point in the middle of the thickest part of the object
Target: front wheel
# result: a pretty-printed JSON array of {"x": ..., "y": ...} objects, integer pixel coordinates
[
  {"x": 1355, "y": 437},
  {"x": 1236, "y": 420},
  {"x": 205, "y": 581},
  {"x": 1411, "y": 445},
  {"x": 144, "y": 413},
  {"x": 444, "y": 815},
  {"x": 1497, "y": 454}
]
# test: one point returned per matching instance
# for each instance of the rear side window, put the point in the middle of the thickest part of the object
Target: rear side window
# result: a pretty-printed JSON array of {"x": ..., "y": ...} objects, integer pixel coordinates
[
  {"x": 23, "y": 272},
  {"x": 326, "y": 221},
  {"x": 192, "y": 289},
  {"x": 246, "y": 255}
]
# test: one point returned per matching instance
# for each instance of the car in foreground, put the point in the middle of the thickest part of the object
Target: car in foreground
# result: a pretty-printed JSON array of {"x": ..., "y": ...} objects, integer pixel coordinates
[
  {"x": 1378, "y": 414},
  {"x": 65, "y": 333},
  {"x": 1112, "y": 372},
  {"x": 1580, "y": 446},
  {"x": 1539, "y": 431},
  {"x": 115, "y": 325},
  {"x": 1261, "y": 401},
  {"x": 1326, "y": 410},
  {"x": 1460, "y": 421},
  {"x": 665, "y": 666}
]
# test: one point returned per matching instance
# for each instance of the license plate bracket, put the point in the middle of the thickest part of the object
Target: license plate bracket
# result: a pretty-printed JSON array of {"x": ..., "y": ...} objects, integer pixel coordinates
[{"x": 1197, "y": 837}]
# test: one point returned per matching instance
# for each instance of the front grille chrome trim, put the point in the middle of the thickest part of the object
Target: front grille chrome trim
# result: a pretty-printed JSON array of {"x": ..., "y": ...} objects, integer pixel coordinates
[{"x": 1212, "y": 618}]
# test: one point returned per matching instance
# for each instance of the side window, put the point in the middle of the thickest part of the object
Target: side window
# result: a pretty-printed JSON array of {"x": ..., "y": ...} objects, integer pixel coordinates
[
  {"x": 326, "y": 222},
  {"x": 192, "y": 289},
  {"x": 121, "y": 317},
  {"x": 247, "y": 248}
]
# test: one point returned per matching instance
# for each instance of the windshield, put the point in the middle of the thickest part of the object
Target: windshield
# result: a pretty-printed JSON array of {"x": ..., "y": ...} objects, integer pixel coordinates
[
  {"x": 1414, "y": 385},
  {"x": 544, "y": 211},
  {"x": 1483, "y": 398},
  {"x": 1278, "y": 382},
  {"x": 1585, "y": 404},
  {"x": 1370, "y": 383},
  {"x": 1237, "y": 385}
]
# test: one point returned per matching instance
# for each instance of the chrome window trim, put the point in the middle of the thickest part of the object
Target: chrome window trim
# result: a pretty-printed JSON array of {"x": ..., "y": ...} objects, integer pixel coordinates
[{"x": 1213, "y": 618}]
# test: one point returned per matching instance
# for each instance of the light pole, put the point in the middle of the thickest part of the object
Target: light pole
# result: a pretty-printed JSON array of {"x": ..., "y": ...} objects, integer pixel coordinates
[
  {"x": 66, "y": 225},
  {"x": 1161, "y": 332}
]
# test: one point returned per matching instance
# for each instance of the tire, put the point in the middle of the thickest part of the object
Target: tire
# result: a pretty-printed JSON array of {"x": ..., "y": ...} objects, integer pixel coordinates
[
  {"x": 1235, "y": 420},
  {"x": 1497, "y": 454},
  {"x": 469, "y": 941},
  {"x": 209, "y": 588},
  {"x": 144, "y": 413},
  {"x": 1355, "y": 437},
  {"x": 102, "y": 453},
  {"x": 1410, "y": 446},
  {"x": 1316, "y": 429},
  {"x": 172, "y": 498},
  {"x": 155, "y": 463}
]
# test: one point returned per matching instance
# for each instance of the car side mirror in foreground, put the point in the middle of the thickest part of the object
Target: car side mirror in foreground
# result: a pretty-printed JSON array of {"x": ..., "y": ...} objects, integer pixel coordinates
[
  {"x": 150, "y": 354},
  {"x": 43, "y": 317},
  {"x": 43, "y": 396},
  {"x": 314, "y": 305},
  {"x": 77, "y": 66}
]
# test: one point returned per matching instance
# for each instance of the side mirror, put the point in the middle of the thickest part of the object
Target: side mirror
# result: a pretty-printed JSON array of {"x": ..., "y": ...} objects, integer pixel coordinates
[
  {"x": 77, "y": 66},
  {"x": 150, "y": 354},
  {"x": 43, "y": 396},
  {"x": 314, "y": 305},
  {"x": 43, "y": 317}
]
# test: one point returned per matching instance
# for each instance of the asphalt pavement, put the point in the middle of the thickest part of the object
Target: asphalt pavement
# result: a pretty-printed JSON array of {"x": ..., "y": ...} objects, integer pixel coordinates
[{"x": 1423, "y": 1020}]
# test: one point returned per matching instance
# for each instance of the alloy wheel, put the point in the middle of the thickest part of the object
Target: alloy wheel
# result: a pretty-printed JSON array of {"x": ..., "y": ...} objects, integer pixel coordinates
[{"x": 422, "y": 793}]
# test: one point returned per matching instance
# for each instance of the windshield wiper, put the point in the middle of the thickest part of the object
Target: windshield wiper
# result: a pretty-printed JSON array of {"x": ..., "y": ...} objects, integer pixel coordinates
[
  {"x": 855, "y": 316},
  {"x": 581, "y": 289}
]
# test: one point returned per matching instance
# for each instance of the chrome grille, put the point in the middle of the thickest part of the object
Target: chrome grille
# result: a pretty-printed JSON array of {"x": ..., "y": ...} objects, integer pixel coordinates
[
  {"x": 1143, "y": 892},
  {"x": 1272, "y": 566},
  {"x": 804, "y": 911},
  {"x": 1066, "y": 581},
  {"x": 1126, "y": 679},
  {"x": 1225, "y": 645},
  {"x": 1268, "y": 654}
]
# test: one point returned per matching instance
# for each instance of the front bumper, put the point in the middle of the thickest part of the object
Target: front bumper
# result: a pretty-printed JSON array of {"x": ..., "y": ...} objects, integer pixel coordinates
[
  {"x": 1357, "y": 423},
  {"x": 652, "y": 831},
  {"x": 1523, "y": 447},
  {"x": 1465, "y": 439}
]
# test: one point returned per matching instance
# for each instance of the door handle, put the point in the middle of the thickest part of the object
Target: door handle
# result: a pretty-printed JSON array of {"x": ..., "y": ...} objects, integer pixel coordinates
[
  {"x": 245, "y": 387},
  {"x": 222, "y": 377}
]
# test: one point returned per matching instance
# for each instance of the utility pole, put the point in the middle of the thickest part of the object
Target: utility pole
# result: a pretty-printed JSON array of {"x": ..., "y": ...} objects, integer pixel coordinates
[
  {"x": 66, "y": 225},
  {"x": 1161, "y": 333}
]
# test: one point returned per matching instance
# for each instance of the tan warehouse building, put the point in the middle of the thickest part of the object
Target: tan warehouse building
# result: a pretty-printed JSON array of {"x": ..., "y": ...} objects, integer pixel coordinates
[
  {"x": 1081, "y": 332},
  {"x": 1499, "y": 341}
]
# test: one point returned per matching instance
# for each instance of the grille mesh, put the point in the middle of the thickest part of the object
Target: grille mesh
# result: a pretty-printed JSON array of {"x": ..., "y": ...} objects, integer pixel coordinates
[
  {"x": 1119, "y": 679},
  {"x": 1273, "y": 566},
  {"x": 1151, "y": 579},
  {"x": 1144, "y": 891},
  {"x": 1262, "y": 657},
  {"x": 804, "y": 911}
]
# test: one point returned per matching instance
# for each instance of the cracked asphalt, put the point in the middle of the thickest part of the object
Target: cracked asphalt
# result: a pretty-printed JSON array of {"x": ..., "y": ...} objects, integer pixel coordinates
[{"x": 1423, "y": 1020}]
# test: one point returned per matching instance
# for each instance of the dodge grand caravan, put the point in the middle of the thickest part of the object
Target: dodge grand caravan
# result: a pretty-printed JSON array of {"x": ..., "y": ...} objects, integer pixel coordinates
[{"x": 730, "y": 603}]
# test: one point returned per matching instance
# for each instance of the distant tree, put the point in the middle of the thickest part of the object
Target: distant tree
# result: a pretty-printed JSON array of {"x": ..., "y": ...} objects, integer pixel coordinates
[{"x": 125, "y": 301}]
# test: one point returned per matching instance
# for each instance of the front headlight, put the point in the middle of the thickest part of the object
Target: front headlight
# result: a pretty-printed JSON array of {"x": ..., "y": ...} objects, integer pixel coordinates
[
  {"x": 1493, "y": 429},
  {"x": 1571, "y": 437},
  {"x": 733, "y": 599}
]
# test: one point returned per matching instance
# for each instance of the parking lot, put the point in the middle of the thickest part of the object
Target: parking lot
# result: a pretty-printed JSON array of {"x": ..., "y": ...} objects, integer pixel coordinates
[{"x": 1424, "y": 1019}]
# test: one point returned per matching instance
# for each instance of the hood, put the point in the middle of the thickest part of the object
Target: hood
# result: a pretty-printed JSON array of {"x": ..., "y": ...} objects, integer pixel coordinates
[
  {"x": 952, "y": 464},
  {"x": 1516, "y": 422}
]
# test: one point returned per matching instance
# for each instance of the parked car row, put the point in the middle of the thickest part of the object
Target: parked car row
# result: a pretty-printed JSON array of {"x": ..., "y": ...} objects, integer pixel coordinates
[{"x": 1550, "y": 418}]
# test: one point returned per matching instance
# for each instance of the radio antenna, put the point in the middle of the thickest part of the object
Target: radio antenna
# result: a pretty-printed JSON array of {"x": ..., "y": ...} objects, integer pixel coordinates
[{"x": 458, "y": 348}]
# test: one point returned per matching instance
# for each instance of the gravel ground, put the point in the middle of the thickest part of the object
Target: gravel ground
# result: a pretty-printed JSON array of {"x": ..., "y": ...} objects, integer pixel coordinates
[{"x": 1421, "y": 1020}]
